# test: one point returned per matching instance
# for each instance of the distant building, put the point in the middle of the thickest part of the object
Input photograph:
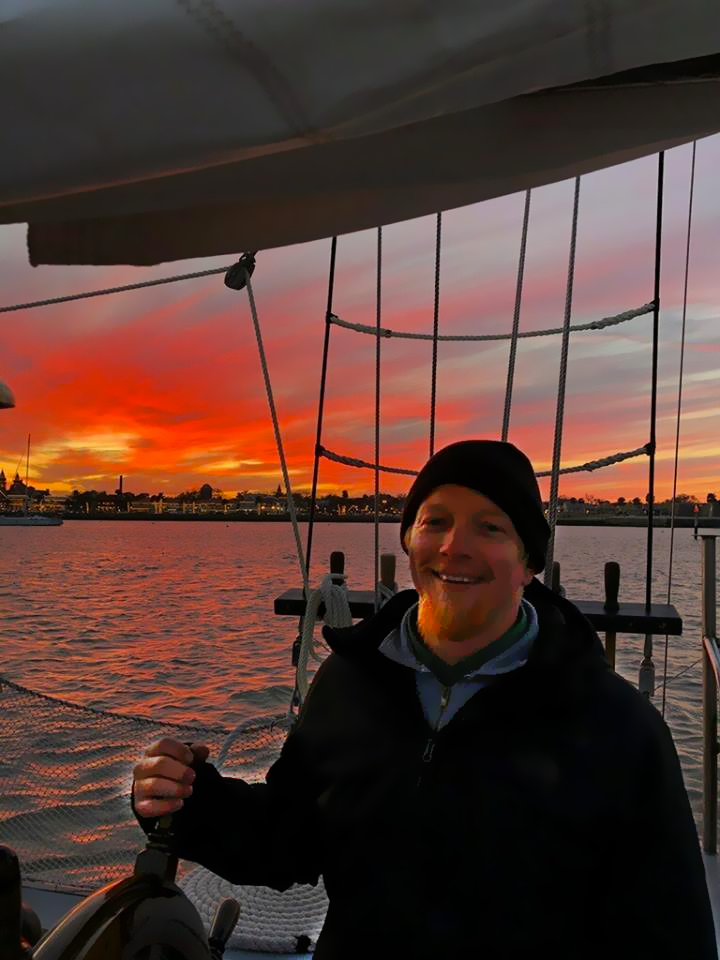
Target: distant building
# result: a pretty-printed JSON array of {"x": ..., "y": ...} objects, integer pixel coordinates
[
  {"x": 142, "y": 506},
  {"x": 53, "y": 503},
  {"x": 270, "y": 505},
  {"x": 17, "y": 487},
  {"x": 571, "y": 507},
  {"x": 216, "y": 505},
  {"x": 169, "y": 505},
  {"x": 246, "y": 505}
]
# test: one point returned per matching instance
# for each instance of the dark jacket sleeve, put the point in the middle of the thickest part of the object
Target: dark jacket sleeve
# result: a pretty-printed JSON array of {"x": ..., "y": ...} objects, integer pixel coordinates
[
  {"x": 260, "y": 834},
  {"x": 658, "y": 893}
]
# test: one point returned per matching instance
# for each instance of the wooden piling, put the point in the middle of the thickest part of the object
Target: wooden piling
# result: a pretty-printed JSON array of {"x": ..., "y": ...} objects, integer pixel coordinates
[{"x": 611, "y": 605}]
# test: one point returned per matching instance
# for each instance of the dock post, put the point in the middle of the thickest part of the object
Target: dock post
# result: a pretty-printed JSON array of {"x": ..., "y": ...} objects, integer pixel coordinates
[
  {"x": 337, "y": 567},
  {"x": 387, "y": 586},
  {"x": 387, "y": 571},
  {"x": 611, "y": 605},
  {"x": 710, "y": 694},
  {"x": 555, "y": 582}
]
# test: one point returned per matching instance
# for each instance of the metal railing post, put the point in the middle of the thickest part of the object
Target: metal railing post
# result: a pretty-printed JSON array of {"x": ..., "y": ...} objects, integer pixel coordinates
[{"x": 710, "y": 694}]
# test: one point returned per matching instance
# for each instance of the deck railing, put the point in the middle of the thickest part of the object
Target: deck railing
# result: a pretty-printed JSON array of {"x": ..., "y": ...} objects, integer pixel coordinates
[{"x": 711, "y": 678}]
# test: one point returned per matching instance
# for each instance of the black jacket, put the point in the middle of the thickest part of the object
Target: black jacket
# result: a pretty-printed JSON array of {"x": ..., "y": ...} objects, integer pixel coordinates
[{"x": 551, "y": 820}]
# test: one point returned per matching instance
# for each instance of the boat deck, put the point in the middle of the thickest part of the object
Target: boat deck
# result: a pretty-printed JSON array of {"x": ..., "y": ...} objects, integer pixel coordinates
[{"x": 51, "y": 906}]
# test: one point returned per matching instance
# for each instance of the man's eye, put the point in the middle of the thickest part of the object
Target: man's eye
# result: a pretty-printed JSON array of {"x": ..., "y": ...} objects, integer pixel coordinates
[
  {"x": 491, "y": 527},
  {"x": 433, "y": 521}
]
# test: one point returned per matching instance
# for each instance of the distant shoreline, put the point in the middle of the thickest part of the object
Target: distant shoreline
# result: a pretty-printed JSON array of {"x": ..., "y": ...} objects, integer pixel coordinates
[{"x": 659, "y": 522}]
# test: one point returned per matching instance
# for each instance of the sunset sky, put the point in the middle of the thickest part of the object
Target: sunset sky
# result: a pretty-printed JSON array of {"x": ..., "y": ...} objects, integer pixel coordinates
[{"x": 164, "y": 385}]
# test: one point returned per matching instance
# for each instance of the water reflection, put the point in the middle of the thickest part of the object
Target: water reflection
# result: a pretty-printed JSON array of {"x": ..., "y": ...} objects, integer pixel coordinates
[{"x": 174, "y": 622}]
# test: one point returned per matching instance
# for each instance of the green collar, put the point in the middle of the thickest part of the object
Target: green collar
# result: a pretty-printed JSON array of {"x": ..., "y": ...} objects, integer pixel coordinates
[{"x": 447, "y": 673}]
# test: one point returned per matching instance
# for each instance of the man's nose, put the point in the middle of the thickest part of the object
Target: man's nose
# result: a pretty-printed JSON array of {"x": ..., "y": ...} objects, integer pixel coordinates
[{"x": 457, "y": 541}]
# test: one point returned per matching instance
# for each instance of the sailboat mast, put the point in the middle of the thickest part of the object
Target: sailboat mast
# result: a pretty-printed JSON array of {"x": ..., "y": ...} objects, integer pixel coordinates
[{"x": 27, "y": 474}]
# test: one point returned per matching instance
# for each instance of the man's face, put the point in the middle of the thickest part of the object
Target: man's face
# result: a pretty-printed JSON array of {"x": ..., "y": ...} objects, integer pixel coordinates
[{"x": 468, "y": 566}]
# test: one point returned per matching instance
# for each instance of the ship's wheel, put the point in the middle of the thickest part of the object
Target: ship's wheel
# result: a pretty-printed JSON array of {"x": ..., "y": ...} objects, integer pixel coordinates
[{"x": 146, "y": 916}]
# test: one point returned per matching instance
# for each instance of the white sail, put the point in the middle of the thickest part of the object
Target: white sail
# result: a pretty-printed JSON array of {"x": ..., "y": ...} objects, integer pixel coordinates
[{"x": 153, "y": 130}]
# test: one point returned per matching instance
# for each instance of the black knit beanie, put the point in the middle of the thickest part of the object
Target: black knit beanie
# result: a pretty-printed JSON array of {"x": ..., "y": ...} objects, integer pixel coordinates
[{"x": 500, "y": 472}]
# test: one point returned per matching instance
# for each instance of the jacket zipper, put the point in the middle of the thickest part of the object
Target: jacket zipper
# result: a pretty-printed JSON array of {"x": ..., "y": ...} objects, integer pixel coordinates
[{"x": 430, "y": 742}]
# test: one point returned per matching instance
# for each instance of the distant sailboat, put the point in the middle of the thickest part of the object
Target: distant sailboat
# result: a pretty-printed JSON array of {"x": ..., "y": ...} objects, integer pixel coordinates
[{"x": 27, "y": 519}]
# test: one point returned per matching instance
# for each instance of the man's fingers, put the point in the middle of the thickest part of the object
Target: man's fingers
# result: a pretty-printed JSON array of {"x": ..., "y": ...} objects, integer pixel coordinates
[
  {"x": 167, "y": 747},
  {"x": 157, "y": 808},
  {"x": 160, "y": 787},
  {"x": 200, "y": 752}
]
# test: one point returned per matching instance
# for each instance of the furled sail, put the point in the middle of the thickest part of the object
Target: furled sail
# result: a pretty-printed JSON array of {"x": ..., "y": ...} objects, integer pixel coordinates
[{"x": 155, "y": 130}]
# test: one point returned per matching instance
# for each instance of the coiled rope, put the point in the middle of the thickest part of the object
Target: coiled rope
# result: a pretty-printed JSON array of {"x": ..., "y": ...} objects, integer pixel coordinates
[{"x": 337, "y": 614}]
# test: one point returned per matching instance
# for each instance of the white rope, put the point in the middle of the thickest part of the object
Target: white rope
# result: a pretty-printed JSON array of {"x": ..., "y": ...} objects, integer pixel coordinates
[
  {"x": 108, "y": 290},
  {"x": 355, "y": 462},
  {"x": 270, "y": 921},
  {"x": 579, "y": 468},
  {"x": 278, "y": 437},
  {"x": 597, "y": 464},
  {"x": 384, "y": 593},
  {"x": 467, "y": 338},
  {"x": 560, "y": 412},
  {"x": 337, "y": 614}
]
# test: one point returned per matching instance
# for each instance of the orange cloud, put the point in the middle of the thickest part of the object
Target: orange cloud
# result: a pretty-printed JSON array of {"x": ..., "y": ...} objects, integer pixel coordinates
[{"x": 164, "y": 384}]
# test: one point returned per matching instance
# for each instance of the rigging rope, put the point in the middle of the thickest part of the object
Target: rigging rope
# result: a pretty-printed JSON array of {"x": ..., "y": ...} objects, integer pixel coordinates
[
  {"x": 436, "y": 321},
  {"x": 646, "y": 680},
  {"x": 484, "y": 337},
  {"x": 50, "y": 301},
  {"x": 557, "y": 445},
  {"x": 378, "y": 318},
  {"x": 334, "y": 597},
  {"x": 516, "y": 319},
  {"x": 587, "y": 467},
  {"x": 301, "y": 665},
  {"x": 278, "y": 437},
  {"x": 679, "y": 410},
  {"x": 654, "y": 375},
  {"x": 321, "y": 403}
]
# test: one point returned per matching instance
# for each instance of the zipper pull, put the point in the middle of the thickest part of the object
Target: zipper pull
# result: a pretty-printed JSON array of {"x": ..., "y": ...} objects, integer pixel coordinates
[{"x": 426, "y": 758}]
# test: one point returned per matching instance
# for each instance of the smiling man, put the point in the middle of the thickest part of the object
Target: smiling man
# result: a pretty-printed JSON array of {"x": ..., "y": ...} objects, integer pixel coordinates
[
  {"x": 468, "y": 565},
  {"x": 467, "y": 774},
  {"x": 468, "y": 560}
]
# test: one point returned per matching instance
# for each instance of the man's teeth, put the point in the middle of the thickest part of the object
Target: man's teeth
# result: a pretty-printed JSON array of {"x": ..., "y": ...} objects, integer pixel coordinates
[{"x": 447, "y": 579}]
